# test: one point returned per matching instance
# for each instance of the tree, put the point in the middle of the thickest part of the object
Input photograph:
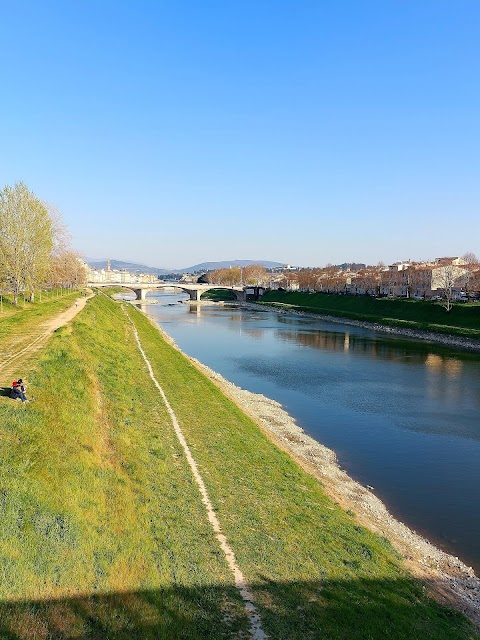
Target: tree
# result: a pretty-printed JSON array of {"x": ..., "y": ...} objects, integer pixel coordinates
[
  {"x": 470, "y": 258},
  {"x": 307, "y": 279},
  {"x": 474, "y": 280},
  {"x": 410, "y": 279},
  {"x": 472, "y": 266},
  {"x": 367, "y": 281},
  {"x": 67, "y": 270},
  {"x": 447, "y": 279},
  {"x": 26, "y": 239},
  {"x": 229, "y": 277},
  {"x": 417, "y": 280},
  {"x": 254, "y": 274}
]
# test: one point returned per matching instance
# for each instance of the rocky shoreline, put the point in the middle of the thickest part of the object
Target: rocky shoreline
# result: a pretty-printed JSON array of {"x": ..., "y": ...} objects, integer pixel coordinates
[
  {"x": 448, "y": 579},
  {"x": 445, "y": 339}
]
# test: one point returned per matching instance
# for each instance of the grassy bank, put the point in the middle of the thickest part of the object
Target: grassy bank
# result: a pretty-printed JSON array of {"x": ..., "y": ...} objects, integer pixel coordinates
[
  {"x": 28, "y": 314},
  {"x": 20, "y": 324},
  {"x": 219, "y": 295},
  {"x": 462, "y": 320},
  {"x": 103, "y": 533},
  {"x": 42, "y": 300}
]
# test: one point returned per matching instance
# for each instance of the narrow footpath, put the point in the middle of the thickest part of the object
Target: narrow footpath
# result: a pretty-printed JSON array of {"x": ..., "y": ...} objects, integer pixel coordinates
[
  {"x": 241, "y": 584},
  {"x": 15, "y": 361}
]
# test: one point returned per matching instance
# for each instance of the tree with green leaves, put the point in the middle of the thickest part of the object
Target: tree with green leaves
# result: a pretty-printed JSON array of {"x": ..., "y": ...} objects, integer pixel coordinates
[{"x": 26, "y": 240}]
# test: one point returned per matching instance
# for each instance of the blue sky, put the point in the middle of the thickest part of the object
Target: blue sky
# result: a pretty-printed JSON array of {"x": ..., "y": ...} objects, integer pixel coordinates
[{"x": 309, "y": 132}]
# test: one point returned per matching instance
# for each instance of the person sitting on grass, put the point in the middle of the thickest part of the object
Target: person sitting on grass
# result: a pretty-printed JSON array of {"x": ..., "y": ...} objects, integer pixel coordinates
[{"x": 18, "y": 390}]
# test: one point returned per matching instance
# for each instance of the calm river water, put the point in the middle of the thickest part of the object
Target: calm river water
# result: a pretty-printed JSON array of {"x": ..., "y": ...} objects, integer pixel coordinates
[{"x": 402, "y": 416}]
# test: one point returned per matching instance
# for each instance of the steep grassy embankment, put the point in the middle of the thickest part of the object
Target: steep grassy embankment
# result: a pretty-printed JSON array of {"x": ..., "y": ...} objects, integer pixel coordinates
[
  {"x": 103, "y": 533},
  {"x": 462, "y": 320}
]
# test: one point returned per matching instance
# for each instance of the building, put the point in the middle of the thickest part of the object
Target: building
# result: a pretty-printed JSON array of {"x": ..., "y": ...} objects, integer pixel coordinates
[{"x": 120, "y": 276}]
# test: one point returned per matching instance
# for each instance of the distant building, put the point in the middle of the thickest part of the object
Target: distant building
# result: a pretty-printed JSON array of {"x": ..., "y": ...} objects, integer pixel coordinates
[
  {"x": 450, "y": 261},
  {"x": 285, "y": 267},
  {"x": 423, "y": 280},
  {"x": 117, "y": 276}
]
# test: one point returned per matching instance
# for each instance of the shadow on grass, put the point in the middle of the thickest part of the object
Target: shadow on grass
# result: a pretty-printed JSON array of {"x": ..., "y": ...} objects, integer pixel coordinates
[{"x": 334, "y": 610}]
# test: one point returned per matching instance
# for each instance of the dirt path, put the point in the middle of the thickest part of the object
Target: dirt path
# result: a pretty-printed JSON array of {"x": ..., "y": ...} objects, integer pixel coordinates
[
  {"x": 10, "y": 366},
  {"x": 256, "y": 628}
]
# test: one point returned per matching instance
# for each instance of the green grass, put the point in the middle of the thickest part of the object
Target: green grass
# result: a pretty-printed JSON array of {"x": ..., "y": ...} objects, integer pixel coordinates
[
  {"x": 22, "y": 314},
  {"x": 19, "y": 325},
  {"x": 462, "y": 320},
  {"x": 41, "y": 299},
  {"x": 103, "y": 533},
  {"x": 116, "y": 289},
  {"x": 98, "y": 502},
  {"x": 219, "y": 295}
]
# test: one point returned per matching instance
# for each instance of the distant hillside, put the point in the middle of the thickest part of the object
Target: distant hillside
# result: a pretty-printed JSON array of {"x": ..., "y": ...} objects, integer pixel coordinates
[
  {"x": 224, "y": 264},
  {"x": 133, "y": 267}
]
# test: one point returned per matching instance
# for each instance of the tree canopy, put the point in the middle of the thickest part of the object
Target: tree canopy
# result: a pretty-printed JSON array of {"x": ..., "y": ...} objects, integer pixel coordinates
[{"x": 32, "y": 243}]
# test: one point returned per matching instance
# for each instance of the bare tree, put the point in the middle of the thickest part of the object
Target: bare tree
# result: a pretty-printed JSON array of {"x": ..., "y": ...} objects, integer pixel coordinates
[
  {"x": 230, "y": 277},
  {"x": 410, "y": 279},
  {"x": 211, "y": 276},
  {"x": 474, "y": 280},
  {"x": 417, "y": 280},
  {"x": 470, "y": 258},
  {"x": 307, "y": 279},
  {"x": 447, "y": 279},
  {"x": 367, "y": 281},
  {"x": 254, "y": 274},
  {"x": 67, "y": 270}
]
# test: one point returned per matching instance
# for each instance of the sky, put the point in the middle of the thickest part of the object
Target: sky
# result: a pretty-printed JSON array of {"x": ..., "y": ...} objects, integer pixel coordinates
[{"x": 304, "y": 131}]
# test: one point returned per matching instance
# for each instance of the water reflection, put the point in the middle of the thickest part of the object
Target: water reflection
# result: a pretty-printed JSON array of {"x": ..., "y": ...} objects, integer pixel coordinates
[
  {"x": 416, "y": 375},
  {"x": 371, "y": 347},
  {"x": 444, "y": 380},
  {"x": 195, "y": 308},
  {"x": 452, "y": 367}
]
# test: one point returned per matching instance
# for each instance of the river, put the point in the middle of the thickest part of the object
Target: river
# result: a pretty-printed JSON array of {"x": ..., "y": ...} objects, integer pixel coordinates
[{"x": 402, "y": 415}]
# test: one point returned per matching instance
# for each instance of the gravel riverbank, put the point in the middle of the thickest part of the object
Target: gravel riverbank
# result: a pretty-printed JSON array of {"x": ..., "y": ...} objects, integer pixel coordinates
[{"x": 446, "y": 576}]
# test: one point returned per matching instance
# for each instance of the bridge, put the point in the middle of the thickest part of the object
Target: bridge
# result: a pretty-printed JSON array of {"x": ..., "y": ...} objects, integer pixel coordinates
[{"x": 194, "y": 290}]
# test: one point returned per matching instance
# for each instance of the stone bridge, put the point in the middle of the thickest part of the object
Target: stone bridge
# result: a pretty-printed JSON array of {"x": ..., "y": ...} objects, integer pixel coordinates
[{"x": 195, "y": 290}]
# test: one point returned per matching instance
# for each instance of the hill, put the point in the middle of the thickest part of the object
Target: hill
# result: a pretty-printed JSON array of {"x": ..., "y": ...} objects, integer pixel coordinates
[
  {"x": 203, "y": 266},
  {"x": 133, "y": 267},
  {"x": 224, "y": 264}
]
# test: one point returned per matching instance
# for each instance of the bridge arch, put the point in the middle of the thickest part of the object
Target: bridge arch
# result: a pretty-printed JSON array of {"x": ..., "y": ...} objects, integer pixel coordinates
[
  {"x": 238, "y": 295},
  {"x": 195, "y": 291}
]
